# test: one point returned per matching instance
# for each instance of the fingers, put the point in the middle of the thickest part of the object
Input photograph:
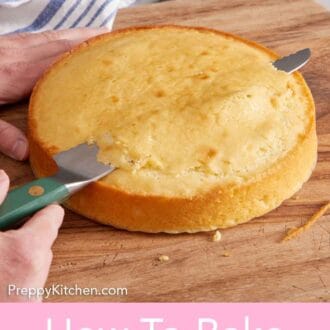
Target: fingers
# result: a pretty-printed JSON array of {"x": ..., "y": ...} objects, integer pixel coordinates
[
  {"x": 20, "y": 79},
  {"x": 38, "y": 52},
  {"x": 17, "y": 88},
  {"x": 13, "y": 142},
  {"x": 26, "y": 253},
  {"x": 4, "y": 185},
  {"x": 42, "y": 228},
  {"x": 24, "y": 57},
  {"x": 23, "y": 40}
]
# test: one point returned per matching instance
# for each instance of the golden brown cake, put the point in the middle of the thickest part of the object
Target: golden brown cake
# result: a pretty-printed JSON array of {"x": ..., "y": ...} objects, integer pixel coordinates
[{"x": 204, "y": 131}]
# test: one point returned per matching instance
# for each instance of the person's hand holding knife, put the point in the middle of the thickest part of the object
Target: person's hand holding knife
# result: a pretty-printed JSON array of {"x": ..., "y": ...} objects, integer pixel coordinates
[{"x": 25, "y": 253}]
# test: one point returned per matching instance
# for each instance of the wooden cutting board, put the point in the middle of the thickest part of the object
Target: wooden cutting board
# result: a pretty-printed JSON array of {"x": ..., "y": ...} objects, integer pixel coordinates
[{"x": 258, "y": 267}]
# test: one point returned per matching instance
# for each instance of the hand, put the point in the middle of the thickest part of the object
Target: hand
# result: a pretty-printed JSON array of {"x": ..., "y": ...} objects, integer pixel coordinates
[
  {"x": 23, "y": 58},
  {"x": 26, "y": 253}
]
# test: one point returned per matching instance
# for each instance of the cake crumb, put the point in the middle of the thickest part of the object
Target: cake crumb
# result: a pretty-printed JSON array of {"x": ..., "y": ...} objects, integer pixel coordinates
[
  {"x": 107, "y": 139},
  {"x": 295, "y": 231},
  {"x": 216, "y": 236},
  {"x": 163, "y": 258},
  {"x": 90, "y": 140},
  {"x": 226, "y": 254}
]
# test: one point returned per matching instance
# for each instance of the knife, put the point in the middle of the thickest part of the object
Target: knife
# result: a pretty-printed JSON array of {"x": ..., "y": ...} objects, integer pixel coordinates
[
  {"x": 77, "y": 167},
  {"x": 294, "y": 61}
]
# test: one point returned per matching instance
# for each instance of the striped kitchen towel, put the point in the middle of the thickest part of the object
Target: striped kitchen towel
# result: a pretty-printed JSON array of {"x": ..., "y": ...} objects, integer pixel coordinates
[{"x": 40, "y": 15}]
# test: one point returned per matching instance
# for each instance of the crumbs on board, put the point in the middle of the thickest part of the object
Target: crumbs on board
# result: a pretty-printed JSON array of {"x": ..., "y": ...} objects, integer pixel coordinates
[{"x": 294, "y": 232}]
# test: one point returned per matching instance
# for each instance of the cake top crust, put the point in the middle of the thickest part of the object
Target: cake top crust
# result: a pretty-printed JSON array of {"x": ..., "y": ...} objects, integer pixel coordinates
[{"x": 179, "y": 111}]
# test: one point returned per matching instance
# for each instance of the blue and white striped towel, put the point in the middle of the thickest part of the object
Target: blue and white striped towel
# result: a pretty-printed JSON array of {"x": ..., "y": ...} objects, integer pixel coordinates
[{"x": 40, "y": 15}]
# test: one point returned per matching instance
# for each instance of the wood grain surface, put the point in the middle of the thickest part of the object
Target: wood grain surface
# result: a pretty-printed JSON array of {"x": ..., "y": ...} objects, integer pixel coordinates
[{"x": 258, "y": 267}]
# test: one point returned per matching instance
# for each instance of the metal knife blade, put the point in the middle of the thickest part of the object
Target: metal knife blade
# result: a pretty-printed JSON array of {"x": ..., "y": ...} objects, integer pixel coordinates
[
  {"x": 79, "y": 166},
  {"x": 294, "y": 61}
]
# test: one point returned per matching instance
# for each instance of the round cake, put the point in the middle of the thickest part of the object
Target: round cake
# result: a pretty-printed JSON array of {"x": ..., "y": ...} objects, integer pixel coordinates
[{"x": 204, "y": 132}]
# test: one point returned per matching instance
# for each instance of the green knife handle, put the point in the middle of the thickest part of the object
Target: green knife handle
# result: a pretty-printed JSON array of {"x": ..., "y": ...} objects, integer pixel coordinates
[{"x": 28, "y": 199}]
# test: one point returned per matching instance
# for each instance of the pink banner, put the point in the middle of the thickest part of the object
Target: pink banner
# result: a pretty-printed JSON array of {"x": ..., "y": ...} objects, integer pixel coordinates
[{"x": 165, "y": 316}]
